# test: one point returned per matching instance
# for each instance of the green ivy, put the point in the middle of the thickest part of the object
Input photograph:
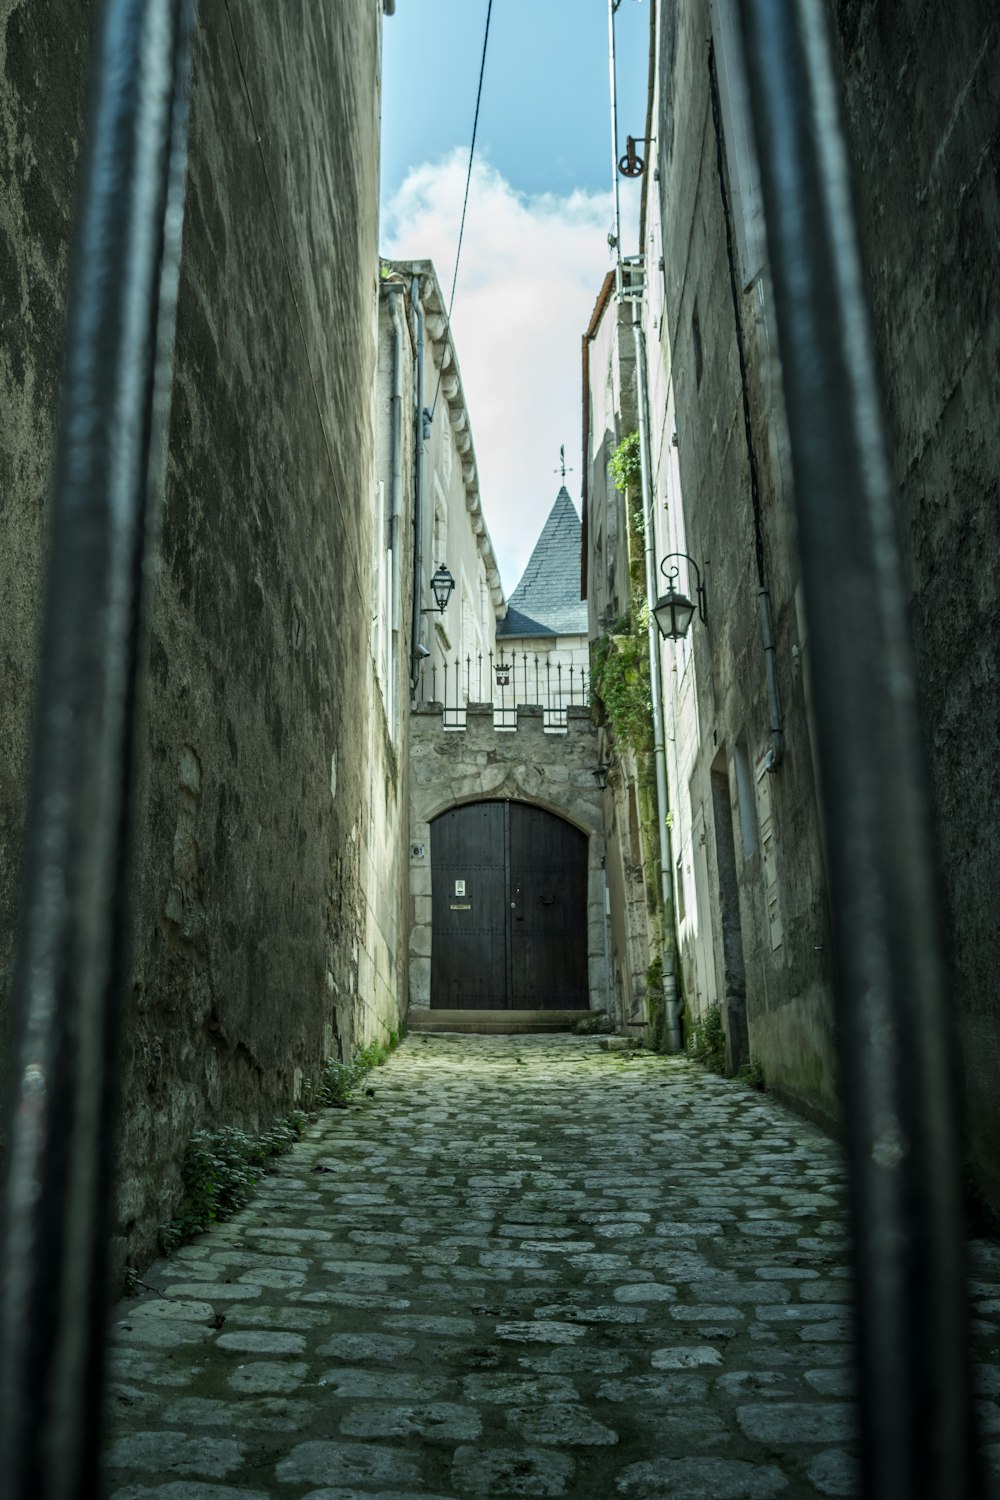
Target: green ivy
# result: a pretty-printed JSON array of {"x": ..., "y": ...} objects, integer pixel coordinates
[
  {"x": 619, "y": 676},
  {"x": 221, "y": 1168},
  {"x": 625, "y": 464}
]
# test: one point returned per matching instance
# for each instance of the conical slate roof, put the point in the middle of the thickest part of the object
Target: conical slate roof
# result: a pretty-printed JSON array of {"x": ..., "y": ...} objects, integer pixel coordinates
[{"x": 547, "y": 600}]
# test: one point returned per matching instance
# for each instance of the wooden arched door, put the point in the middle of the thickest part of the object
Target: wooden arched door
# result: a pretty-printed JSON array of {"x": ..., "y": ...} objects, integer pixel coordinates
[{"x": 509, "y": 894}]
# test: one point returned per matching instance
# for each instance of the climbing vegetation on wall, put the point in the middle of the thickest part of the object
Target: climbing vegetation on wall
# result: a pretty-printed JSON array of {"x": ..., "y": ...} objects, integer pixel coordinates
[
  {"x": 619, "y": 675},
  {"x": 625, "y": 468},
  {"x": 625, "y": 463}
]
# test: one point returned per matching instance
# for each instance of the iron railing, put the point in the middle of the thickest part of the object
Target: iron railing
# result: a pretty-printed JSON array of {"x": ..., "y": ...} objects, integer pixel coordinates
[
  {"x": 900, "y": 1098},
  {"x": 70, "y": 972},
  {"x": 508, "y": 681},
  {"x": 894, "y": 1029}
]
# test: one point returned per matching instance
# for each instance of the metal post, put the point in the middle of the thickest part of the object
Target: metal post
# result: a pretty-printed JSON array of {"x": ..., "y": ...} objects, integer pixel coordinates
[
  {"x": 896, "y": 1047},
  {"x": 71, "y": 959}
]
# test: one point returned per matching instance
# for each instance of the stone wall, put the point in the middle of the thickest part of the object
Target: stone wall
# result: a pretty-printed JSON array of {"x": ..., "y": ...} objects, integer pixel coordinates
[
  {"x": 480, "y": 763},
  {"x": 260, "y": 744},
  {"x": 922, "y": 89},
  {"x": 717, "y": 709},
  {"x": 43, "y": 57}
]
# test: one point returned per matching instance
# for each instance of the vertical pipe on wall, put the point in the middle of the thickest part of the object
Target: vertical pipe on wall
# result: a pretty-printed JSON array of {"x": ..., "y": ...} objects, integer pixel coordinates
[
  {"x": 668, "y": 946},
  {"x": 72, "y": 944},
  {"x": 395, "y": 293},
  {"x": 900, "y": 1115},
  {"x": 419, "y": 320}
]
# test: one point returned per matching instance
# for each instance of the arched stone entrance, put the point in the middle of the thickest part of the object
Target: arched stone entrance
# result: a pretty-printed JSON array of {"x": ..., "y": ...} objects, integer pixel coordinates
[
  {"x": 509, "y": 903},
  {"x": 482, "y": 765}
]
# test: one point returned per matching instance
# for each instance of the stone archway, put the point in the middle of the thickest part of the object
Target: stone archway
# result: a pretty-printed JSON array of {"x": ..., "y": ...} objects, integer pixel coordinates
[
  {"x": 450, "y": 769},
  {"x": 509, "y": 909}
]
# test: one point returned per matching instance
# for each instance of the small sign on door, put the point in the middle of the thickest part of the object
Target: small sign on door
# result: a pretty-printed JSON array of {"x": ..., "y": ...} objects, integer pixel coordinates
[{"x": 459, "y": 887}]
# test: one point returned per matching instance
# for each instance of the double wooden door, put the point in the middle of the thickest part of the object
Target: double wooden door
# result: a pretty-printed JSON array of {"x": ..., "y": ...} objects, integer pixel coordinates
[{"x": 509, "y": 892}]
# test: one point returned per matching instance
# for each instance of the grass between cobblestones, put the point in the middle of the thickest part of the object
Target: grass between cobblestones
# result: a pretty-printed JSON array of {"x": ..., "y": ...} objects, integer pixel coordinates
[
  {"x": 222, "y": 1167},
  {"x": 526, "y": 1267}
]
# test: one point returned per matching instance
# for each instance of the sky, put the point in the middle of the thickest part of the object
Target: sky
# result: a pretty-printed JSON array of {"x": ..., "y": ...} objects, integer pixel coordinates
[{"x": 535, "y": 250}]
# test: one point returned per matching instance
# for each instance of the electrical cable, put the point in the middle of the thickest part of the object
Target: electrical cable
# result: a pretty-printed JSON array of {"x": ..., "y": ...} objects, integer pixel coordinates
[{"x": 468, "y": 184}]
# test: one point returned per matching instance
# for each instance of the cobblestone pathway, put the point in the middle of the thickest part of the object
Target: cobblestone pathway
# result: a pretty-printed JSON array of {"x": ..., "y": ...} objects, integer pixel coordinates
[{"x": 526, "y": 1267}]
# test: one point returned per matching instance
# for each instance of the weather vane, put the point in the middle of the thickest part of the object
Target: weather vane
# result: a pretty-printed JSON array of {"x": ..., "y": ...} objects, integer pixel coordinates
[{"x": 562, "y": 469}]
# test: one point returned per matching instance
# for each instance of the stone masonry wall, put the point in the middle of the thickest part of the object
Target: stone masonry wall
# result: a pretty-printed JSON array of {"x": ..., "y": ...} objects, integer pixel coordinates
[
  {"x": 923, "y": 105},
  {"x": 552, "y": 771},
  {"x": 779, "y": 870},
  {"x": 256, "y": 741}
]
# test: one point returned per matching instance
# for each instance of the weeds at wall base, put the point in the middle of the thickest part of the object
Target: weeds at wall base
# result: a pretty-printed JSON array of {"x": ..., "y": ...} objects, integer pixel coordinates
[
  {"x": 706, "y": 1041},
  {"x": 222, "y": 1167}
]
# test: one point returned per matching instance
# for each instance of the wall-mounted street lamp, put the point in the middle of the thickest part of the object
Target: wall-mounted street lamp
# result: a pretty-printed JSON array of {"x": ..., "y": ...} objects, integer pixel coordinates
[
  {"x": 673, "y": 610},
  {"x": 601, "y": 775},
  {"x": 442, "y": 586}
]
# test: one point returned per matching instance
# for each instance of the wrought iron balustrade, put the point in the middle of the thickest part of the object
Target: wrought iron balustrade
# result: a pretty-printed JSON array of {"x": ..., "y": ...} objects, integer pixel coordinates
[{"x": 529, "y": 681}]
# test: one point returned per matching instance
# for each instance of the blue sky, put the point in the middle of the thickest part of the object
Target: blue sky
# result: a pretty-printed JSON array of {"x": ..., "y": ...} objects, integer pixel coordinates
[
  {"x": 544, "y": 122},
  {"x": 535, "y": 251}
]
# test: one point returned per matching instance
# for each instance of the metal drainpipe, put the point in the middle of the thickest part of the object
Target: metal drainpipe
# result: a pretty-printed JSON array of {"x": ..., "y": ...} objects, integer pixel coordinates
[
  {"x": 418, "y": 488},
  {"x": 668, "y": 947},
  {"x": 395, "y": 293},
  {"x": 776, "y": 754}
]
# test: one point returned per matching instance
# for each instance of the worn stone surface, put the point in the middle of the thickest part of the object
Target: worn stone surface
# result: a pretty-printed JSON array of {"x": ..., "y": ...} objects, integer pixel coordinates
[
  {"x": 753, "y": 925},
  {"x": 263, "y": 751},
  {"x": 922, "y": 94},
  {"x": 466, "y": 1345},
  {"x": 923, "y": 113},
  {"x": 43, "y": 54}
]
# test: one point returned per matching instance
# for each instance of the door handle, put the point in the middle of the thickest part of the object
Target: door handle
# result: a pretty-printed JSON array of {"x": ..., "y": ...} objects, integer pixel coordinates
[{"x": 517, "y": 905}]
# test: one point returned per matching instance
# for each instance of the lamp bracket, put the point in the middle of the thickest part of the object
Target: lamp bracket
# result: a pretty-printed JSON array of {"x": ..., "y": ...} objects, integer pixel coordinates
[{"x": 672, "y": 576}]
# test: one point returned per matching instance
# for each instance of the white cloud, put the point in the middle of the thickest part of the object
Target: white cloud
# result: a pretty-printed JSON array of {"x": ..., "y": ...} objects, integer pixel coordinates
[{"x": 530, "y": 273}]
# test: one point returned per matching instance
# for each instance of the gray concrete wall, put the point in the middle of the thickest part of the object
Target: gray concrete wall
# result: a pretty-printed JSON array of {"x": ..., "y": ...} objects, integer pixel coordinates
[
  {"x": 922, "y": 88},
  {"x": 259, "y": 747},
  {"x": 706, "y": 478},
  {"x": 480, "y": 763}
]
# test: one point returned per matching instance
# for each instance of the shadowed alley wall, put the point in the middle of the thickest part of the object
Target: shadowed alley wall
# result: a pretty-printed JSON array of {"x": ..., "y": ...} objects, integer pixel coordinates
[
  {"x": 263, "y": 728},
  {"x": 922, "y": 91}
]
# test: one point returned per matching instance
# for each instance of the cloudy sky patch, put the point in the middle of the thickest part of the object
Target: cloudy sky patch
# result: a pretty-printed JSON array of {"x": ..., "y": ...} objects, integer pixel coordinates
[{"x": 531, "y": 268}]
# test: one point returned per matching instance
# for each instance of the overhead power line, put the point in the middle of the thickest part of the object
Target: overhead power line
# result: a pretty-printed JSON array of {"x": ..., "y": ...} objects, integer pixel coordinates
[
  {"x": 472, "y": 154},
  {"x": 468, "y": 182}
]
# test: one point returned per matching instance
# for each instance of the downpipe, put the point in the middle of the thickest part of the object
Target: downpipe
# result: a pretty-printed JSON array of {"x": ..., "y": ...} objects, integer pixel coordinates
[
  {"x": 776, "y": 754},
  {"x": 668, "y": 943},
  {"x": 420, "y": 335},
  {"x": 395, "y": 294}
]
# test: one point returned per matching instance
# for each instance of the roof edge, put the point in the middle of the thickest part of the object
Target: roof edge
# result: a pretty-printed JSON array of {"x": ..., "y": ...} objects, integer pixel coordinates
[{"x": 442, "y": 342}]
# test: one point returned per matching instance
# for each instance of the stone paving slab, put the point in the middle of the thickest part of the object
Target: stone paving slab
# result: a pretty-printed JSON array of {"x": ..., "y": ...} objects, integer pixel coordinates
[{"x": 526, "y": 1267}]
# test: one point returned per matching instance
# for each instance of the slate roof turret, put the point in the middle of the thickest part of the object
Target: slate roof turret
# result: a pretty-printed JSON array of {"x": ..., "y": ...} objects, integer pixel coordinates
[{"x": 547, "y": 599}]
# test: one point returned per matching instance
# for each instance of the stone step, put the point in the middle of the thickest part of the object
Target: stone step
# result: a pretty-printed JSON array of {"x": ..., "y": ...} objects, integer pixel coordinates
[{"x": 423, "y": 1020}]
